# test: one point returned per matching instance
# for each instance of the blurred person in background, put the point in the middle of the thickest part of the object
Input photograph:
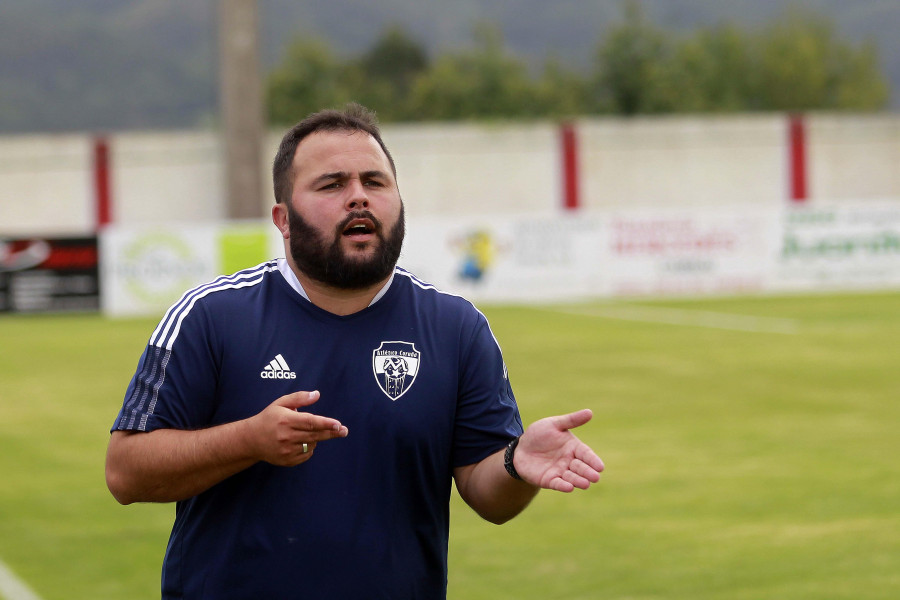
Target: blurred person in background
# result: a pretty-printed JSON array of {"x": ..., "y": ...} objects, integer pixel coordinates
[{"x": 310, "y": 414}]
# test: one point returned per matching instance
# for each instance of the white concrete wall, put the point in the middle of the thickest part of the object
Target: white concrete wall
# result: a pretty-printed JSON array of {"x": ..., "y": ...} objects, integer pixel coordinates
[
  {"x": 164, "y": 176},
  {"x": 46, "y": 182},
  {"x": 853, "y": 156},
  {"x": 682, "y": 161},
  {"x": 447, "y": 169},
  {"x": 46, "y": 185}
]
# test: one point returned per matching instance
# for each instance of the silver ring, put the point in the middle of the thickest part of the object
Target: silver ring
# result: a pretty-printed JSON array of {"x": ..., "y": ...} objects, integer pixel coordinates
[{"x": 305, "y": 447}]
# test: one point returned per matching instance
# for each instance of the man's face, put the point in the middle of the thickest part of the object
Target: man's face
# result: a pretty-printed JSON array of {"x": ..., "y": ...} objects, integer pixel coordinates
[{"x": 345, "y": 215}]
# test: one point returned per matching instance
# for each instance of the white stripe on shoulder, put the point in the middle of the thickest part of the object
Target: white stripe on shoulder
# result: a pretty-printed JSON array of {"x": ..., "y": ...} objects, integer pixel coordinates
[
  {"x": 165, "y": 333},
  {"x": 422, "y": 284},
  {"x": 427, "y": 286}
]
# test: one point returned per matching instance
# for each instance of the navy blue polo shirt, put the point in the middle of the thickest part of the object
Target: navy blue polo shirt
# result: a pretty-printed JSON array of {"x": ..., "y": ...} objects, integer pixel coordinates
[{"x": 417, "y": 377}]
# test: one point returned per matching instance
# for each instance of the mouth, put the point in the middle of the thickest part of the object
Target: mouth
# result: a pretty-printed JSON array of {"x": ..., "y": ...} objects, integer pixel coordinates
[{"x": 359, "y": 228}]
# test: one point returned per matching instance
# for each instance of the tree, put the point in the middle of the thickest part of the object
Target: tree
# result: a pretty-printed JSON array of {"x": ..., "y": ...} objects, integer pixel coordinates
[
  {"x": 309, "y": 78},
  {"x": 383, "y": 77},
  {"x": 631, "y": 74},
  {"x": 485, "y": 82},
  {"x": 560, "y": 92},
  {"x": 395, "y": 58},
  {"x": 859, "y": 83},
  {"x": 714, "y": 71},
  {"x": 795, "y": 63},
  {"x": 803, "y": 66}
]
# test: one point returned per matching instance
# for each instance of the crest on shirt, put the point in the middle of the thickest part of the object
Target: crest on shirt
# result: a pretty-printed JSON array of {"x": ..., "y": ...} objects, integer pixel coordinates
[{"x": 395, "y": 365}]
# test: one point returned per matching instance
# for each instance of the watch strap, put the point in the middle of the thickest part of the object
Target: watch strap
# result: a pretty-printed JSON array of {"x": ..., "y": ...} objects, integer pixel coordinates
[{"x": 508, "y": 459}]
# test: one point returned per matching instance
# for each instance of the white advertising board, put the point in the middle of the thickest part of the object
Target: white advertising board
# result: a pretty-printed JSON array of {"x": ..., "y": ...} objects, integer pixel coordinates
[
  {"x": 145, "y": 270},
  {"x": 852, "y": 245},
  {"x": 498, "y": 258},
  {"x": 552, "y": 257},
  {"x": 572, "y": 256},
  {"x": 688, "y": 251}
]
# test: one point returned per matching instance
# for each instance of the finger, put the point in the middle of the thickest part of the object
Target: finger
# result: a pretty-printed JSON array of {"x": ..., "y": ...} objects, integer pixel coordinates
[
  {"x": 298, "y": 448},
  {"x": 326, "y": 427},
  {"x": 584, "y": 470},
  {"x": 573, "y": 420},
  {"x": 576, "y": 480},
  {"x": 321, "y": 435},
  {"x": 584, "y": 453},
  {"x": 298, "y": 456},
  {"x": 560, "y": 485},
  {"x": 298, "y": 399}
]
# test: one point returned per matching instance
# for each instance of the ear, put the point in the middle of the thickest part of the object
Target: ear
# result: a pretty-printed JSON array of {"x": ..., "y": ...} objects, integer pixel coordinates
[{"x": 280, "y": 218}]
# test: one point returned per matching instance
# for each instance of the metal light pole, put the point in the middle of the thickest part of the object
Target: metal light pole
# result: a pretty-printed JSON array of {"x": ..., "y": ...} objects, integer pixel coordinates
[{"x": 241, "y": 107}]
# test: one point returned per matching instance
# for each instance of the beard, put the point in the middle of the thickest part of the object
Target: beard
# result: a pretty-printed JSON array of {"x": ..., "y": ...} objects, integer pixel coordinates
[{"x": 326, "y": 261}]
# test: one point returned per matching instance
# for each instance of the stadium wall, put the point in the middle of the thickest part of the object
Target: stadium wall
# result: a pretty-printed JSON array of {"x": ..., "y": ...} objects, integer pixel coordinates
[
  {"x": 687, "y": 161},
  {"x": 555, "y": 256},
  {"x": 48, "y": 184},
  {"x": 665, "y": 205},
  {"x": 854, "y": 157}
]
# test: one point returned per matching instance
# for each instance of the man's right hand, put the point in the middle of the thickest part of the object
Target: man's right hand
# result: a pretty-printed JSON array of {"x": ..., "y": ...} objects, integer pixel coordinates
[
  {"x": 167, "y": 465},
  {"x": 279, "y": 432}
]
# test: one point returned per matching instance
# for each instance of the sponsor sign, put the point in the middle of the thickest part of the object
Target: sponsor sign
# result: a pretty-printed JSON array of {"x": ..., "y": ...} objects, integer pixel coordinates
[
  {"x": 546, "y": 257},
  {"x": 49, "y": 274},
  {"x": 571, "y": 256},
  {"x": 697, "y": 251},
  {"x": 146, "y": 271},
  {"x": 243, "y": 245},
  {"x": 498, "y": 258},
  {"x": 845, "y": 246}
]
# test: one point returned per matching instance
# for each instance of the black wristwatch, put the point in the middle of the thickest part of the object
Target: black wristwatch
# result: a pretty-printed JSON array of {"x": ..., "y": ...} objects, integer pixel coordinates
[{"x": 508, "y": 459}]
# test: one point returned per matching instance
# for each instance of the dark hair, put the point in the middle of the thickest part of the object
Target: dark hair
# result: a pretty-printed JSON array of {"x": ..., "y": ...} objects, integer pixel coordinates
[{"x": 354, "y": 117}]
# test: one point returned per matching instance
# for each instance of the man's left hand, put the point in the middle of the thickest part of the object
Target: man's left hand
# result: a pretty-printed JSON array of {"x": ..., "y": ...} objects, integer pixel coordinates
[{"x": 550, "y": 456}]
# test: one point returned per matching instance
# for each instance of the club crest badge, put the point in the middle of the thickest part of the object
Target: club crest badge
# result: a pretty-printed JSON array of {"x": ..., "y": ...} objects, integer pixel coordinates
[{"x": 395, "y": 365}]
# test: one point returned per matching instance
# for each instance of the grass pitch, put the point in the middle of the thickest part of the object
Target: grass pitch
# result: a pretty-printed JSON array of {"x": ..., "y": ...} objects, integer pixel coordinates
[{"x": 746, "y": 458}]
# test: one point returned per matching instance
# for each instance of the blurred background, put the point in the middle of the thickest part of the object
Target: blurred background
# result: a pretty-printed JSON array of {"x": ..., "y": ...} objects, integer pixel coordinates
[
  {"x": 682, "y": 136},
  {"x": 684, "y": 214},
  {"x": 150, "y": 64}
]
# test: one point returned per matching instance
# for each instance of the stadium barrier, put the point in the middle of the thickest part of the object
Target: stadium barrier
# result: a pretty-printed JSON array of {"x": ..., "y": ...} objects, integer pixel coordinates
[
  {"x": 594, "y": 207},
  {"x": 49, "y": 274},
  {"x": 553, "y": 257},
  {"x": 74, "y": 184}
]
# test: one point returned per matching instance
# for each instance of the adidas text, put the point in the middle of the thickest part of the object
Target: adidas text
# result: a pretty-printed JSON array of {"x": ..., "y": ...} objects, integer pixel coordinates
[
  {"x": 278, "y": 375},
  {"x": 277, "y": 369}
]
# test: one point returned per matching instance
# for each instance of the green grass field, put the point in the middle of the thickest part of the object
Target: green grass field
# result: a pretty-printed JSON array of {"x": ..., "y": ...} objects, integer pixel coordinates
[{"x": 746, "y": 459}]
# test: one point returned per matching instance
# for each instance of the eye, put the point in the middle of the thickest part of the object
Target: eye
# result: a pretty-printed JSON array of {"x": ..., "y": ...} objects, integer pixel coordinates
[{"x": 331, "y": 186}]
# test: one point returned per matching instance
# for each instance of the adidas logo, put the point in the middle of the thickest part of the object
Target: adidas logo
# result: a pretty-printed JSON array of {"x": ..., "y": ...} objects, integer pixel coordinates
[{"x": 277, "y": 369}]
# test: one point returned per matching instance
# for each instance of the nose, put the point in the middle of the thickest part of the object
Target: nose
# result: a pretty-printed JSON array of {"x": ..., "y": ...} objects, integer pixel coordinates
[{"x": 357, "y": 197}]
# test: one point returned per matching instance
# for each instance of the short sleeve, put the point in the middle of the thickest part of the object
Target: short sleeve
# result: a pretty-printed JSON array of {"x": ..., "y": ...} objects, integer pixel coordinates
[
  {"x": 174, "y": 386},
  {"x": 487, "y": 414}
]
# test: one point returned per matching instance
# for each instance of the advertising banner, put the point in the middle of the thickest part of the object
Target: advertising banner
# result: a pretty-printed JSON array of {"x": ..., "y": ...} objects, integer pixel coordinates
[
  {"x": 598, "y": 254},
  {"x": 693, "y": 251},
  {"x": 44, "y": 274},
  {"x": 852, "y": 245},
  {"x": 551, "y": 257},
  {"x": 502, "y": 259},
  {"x": 145, "y": 270}
]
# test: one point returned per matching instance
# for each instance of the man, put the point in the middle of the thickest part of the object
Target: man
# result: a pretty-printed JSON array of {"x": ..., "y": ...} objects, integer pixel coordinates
[{"x": 341, "y": 491}]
